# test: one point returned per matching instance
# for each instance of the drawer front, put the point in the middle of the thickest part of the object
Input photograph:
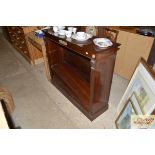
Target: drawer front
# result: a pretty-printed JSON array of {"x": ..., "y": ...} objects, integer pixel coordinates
[
  {"x": 18, "y": 39},
  {"x": 21, "y": 46},
  {"x": 12, "y": 29},
  {"x": 23, "y": 50},
  {"x": 19, "y": 31},
  {"x": 26, "y": 52},
  {"x": 21, "y": 40},
  {"x": 15, "y": 31},
  {"x": 12, "y": 35}
]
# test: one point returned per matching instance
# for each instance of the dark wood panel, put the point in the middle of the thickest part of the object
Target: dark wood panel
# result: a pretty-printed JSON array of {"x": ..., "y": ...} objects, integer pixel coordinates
[
  {"x": 80, "y": 63},
  {"x": 80, "y": 88}
]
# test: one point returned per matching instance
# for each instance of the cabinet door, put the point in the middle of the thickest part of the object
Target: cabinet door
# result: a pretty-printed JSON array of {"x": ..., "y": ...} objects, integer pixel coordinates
[
  {"x": 122, "y": 39},
  {"x": 137, "y": 46}
]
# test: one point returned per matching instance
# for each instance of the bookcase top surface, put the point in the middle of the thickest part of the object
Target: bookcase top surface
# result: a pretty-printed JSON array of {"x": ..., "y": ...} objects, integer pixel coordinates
[{"x": 86, "y": 48}]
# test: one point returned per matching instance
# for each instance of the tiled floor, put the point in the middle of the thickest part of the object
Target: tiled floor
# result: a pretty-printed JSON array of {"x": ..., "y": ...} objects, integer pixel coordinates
[{"x": 39, "y": 104}]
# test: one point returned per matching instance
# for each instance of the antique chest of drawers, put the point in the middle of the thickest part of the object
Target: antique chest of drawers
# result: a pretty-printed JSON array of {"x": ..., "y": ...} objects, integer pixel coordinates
[{"x": 18, "y": 37}]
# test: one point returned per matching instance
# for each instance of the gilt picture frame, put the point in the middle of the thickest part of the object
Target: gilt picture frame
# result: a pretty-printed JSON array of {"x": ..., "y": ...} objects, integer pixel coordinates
[{"x": 123, "y": 120}]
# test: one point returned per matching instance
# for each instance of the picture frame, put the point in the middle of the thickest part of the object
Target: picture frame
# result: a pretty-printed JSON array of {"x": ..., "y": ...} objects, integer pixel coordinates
[
  {"x": 142, "y": 86},
  {"x": 93, "y": 30},
  {"x": 123, "y": 120},
  {"x": 136, "y": 104},
  {"x": 101, "y": 32}
]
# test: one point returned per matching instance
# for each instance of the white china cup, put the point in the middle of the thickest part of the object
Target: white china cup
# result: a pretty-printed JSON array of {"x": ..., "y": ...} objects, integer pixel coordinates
[
  {"x": 68, "y": 34},
  {"x": 70, "y": 29},
  {"x": 74, "y": 30},
  {"x": 55, "y": 29},
  {"x": 81, "y": 35}
]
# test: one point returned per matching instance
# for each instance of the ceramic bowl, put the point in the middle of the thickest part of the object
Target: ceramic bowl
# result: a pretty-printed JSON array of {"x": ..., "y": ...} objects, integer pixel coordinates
[
  {"x": 102, "y": 42},
  {"x": 81, "y": 35}
]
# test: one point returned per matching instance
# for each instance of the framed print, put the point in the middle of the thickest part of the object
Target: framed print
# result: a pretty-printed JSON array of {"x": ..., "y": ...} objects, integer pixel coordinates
[
  {"x": 141, "y": 89},
  {"x": 92, "y": 30},
  {"x": 144, "y": 95},
  {"x": 135, "y": 104},
  {"x": 123, "y": 121}
]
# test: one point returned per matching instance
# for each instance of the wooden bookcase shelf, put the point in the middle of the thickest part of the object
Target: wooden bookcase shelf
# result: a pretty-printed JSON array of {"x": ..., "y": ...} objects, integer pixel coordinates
[
  {"x": 81, "y": 73},
  {"x": 74, "y": 81}
]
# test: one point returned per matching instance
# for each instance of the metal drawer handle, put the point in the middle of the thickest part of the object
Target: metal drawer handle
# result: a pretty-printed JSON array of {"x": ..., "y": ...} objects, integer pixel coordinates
[{"x": 63, "y": 42}]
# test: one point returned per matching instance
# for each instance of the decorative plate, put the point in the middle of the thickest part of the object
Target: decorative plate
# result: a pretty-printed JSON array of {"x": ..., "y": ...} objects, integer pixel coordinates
[{"x": 102, "y": 42}]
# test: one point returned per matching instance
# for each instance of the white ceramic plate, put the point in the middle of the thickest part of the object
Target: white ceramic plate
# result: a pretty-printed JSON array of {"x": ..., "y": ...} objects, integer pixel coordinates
[
  {"x": 88, "y": 36},
  {"x": 102, "y": 42}
]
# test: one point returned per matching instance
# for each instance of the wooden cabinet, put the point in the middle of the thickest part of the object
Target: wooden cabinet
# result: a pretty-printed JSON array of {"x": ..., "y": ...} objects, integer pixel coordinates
[
  {"x": 18, "y": 39},
  {"x": 81, "y": 73},
  {"x": 133, "y": 47},
  {"x": 34, "y": 47},
  {"x": 37, "y": 45}
]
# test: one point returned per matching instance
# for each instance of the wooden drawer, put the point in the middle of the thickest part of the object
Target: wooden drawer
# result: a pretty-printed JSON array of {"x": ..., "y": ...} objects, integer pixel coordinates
[
  {"x": 23, "y": 50},
  {"x": 18, "y": 37},
  {"x": 12, "y": 28},
  {"x": 13, "y": 35},
  {"x": 15, "y": 31},
  {"x": 16, "y": 43},
  {"x": 20, "y": 46},
  {"x": 19, "y": 31},
  {"x": 20, "y": 40},
  {"x": 26, "y": 52}
]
